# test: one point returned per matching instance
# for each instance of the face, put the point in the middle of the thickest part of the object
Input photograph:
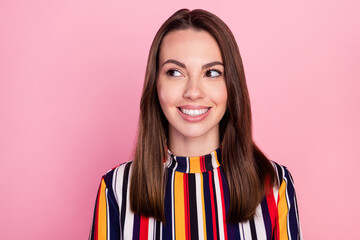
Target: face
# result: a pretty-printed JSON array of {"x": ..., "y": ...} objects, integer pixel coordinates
[{"x": 191, "y": 84}]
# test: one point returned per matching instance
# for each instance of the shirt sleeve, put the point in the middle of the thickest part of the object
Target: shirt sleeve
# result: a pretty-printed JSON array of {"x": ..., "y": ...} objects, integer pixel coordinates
[
  {"x": 105, "y": 224},
  {"x": 288, "y": 215}
]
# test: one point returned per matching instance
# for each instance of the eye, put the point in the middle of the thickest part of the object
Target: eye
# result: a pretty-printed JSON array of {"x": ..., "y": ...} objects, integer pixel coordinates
[
  {"x": 173, "y": 73},
  {"x": 212, "y": 73}
]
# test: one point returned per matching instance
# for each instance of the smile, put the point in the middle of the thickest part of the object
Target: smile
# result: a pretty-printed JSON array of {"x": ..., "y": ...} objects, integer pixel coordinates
[{"x": 194, "y": 112}]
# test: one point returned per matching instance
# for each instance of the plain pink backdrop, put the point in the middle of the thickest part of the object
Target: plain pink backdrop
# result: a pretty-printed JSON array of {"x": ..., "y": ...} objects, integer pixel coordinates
[{"x": 71, "y": 74}]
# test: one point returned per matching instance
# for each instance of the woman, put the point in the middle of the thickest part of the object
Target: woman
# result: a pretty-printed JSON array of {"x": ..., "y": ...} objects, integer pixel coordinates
[{"x": 197, "y": 174}]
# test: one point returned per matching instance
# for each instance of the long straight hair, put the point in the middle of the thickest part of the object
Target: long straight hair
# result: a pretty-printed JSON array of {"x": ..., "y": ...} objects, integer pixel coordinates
[{"x": 248, "y": 172}]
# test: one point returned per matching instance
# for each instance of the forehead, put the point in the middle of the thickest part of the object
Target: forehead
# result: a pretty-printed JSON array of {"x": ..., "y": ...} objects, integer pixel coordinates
[{"x": 189, "y": 44}]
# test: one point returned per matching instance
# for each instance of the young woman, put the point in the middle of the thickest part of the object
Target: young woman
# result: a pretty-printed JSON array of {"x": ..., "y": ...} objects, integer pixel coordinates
[{"x": 197, "y": 173}]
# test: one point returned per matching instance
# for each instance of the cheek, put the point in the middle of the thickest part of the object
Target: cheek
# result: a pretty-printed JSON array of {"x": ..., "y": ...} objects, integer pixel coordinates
[
  {"x": 166, "y": 96},
  {"x": 219, "y": 95}
]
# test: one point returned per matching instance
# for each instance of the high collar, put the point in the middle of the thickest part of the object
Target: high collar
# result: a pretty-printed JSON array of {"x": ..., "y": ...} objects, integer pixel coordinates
[{"x": 194, "y": 164}]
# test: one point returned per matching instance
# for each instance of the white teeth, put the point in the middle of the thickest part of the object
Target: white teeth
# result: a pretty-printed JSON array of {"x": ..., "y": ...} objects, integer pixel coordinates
[{"x": 194, "y": 113}]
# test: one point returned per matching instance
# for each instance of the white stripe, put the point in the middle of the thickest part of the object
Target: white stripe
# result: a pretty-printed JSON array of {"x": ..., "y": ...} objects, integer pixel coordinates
[
  {"x": 219, "y": 204},
  {"x": 175, "y": 165},
  {"x": 259, "y": 223},
  {"x": 276, "y": 194},
  {"x": 107, "y": 215},
  {"x": 118, "y": 186},
  {"x": 247, "y": 230},
  {"x": 276, "y": 186},
  {"x": 284, "y": 179},
  {"x": 129, "y": 215},
  {"x": 161, "y": 227},
  {"x": 280, "y": 179},
  {"x": 241, "y": 230},
  {"x": 172, "y": 201},
  {"x": 115, "y": 183},
  {"x": 300, "y": 232},
  {"x": 283, "y": 172},
  {"x": 213, "y": 160},
  {"x": 187, "y": 164},
  {"x": 168, "y": 160},
  {"x": 151, "y": 229},
  {"x": 298, "y": 221},
  {"x": 199, "y": 206}
]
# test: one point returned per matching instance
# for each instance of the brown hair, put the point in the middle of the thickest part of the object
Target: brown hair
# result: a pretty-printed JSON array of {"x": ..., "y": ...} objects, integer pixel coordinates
[{"x": 248, "y": 172}]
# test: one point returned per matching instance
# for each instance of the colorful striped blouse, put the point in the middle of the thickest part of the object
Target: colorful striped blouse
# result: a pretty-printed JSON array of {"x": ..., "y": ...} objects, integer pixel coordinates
[{"x": 196, "y": 204}]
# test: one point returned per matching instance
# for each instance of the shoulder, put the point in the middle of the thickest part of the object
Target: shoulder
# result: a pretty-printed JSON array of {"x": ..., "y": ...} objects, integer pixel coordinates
[
  {"x": 284, "y": 189},
  {"x": 117, "y": 175},
  {"x": 286, "y": 202},
  {"x": 115, "y": 183},
  {"x": 282, "y": 173}
]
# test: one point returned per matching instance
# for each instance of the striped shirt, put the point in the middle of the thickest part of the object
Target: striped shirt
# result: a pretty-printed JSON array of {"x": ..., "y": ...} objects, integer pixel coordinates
[{"x": 196, "y": 203}]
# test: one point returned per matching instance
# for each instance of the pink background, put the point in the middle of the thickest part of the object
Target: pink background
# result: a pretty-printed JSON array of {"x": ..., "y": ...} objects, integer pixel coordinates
[{"x": 71, "y": 74}]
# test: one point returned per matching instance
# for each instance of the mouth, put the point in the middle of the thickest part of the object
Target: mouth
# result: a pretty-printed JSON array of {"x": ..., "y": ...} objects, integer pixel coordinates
[{"x": 194, "y": 112}]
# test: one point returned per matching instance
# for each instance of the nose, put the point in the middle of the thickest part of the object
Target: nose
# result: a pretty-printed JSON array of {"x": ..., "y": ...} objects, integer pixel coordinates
[{"x": 194, "y": 89}]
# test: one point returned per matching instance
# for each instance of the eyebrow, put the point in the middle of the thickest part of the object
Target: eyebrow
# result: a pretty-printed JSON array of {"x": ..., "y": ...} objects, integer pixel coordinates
[{"x": 180, "y": 64}]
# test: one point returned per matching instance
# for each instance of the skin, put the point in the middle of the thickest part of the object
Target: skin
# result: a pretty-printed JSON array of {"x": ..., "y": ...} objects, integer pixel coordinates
[{"x": 191, "y": 75}]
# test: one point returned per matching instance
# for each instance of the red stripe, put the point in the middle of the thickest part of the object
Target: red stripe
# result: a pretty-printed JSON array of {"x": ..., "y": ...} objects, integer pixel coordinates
[
  {"x": 202, "y": 164},
  {"x": 276, "y": 233},
  {"x": 144, "y": 228},
  {"x": 270, "y": 200},
  {"x": 272, "y": 206},
  {"x": 222, "y": 204},
  {"x": 212, "y": 204},
  {"x": 186, "y": 207}
]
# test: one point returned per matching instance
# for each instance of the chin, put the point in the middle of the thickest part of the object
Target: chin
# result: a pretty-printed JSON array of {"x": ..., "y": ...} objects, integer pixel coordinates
[{"x": 194, "y": 132}]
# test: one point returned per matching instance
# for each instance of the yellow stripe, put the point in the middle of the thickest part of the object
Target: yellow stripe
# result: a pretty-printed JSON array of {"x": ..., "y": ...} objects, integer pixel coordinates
[
  {"x": 203, "y": 205},
  {"x": 179, "y": 205},
  {"x": 102, "y": 219},
  {"x": 216, "y": 157},
  {"x": 195, "y": 165},
  {"x": 283, "y": 211}
]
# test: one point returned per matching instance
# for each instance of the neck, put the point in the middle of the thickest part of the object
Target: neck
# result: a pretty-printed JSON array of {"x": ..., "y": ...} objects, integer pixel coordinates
[{"x": 181, "y": 145}]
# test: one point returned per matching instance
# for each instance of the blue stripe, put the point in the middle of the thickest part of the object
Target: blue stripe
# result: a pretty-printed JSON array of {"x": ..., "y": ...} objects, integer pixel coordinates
[
  {"x": 208, "y": 212},
  {"x": 136, "y": 227},
  {"x": 124, "y": 196},
  {"x": 208, "y": 162},
  {"x": 114, "y": 224},
  {"x": 266, "y": 218},
  {"x": 215, "y": 206},
  {"x": 167, "y": 227},
  {"x": 292, "y": 202},
  {"x": 182, "y": 164},
  {"x": 232, "y": 228}
]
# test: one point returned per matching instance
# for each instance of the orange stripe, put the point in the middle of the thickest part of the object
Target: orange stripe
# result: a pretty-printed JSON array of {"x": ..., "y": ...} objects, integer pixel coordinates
[
  {"x": 179, "y": 205},
  {"x": 283, "y": 211},
  {"x": 195, "y": 165},
  {"x": 97, "y": 214},
  {"x": 101, "y": 221},
  {"x": 216, "y": 158}
]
